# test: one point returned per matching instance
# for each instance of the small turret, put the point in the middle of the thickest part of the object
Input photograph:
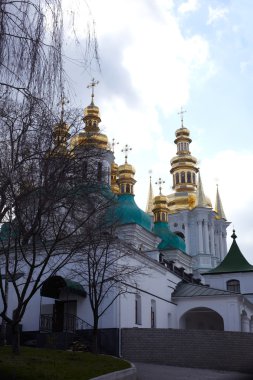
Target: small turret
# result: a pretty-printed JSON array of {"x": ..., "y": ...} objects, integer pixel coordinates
[
  {"x": 218, "y": 207},
  {"x": 150, "y": 200}
]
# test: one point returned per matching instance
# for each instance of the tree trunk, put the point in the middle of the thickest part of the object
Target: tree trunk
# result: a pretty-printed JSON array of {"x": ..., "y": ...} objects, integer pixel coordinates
[
  {"x": 95, "y": 348},
  {"x": 15, "y": 339}
]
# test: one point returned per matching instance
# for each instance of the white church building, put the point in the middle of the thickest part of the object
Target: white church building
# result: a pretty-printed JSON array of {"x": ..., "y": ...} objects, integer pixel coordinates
[{"x": 190, "y": 281}]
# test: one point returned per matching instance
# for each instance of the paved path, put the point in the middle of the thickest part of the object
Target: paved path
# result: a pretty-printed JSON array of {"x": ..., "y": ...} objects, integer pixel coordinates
[{"x": 163, "y": 372}]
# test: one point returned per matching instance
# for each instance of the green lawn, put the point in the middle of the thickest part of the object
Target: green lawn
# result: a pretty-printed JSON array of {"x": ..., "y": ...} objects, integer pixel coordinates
[{"x": 43, "y": 364}]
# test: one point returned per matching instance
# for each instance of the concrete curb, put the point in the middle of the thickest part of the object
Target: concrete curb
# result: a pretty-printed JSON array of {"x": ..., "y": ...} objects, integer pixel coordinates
[{"x": 125, "y": 374}]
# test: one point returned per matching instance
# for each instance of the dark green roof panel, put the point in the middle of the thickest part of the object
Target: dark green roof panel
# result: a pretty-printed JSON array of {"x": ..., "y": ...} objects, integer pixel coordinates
[
  {"x": 127, "y": 212},
  {"x": 233, "y": 262}
]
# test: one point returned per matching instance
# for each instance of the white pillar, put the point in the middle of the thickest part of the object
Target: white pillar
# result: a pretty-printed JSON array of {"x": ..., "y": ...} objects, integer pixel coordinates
[
  {"x": 245, "y": 322},
  {"x": 200, "y": 236},
  {"x": 212, "y": 239},
  {"x": 206, "y": 238},
  {"x": 221, "y": 245}
]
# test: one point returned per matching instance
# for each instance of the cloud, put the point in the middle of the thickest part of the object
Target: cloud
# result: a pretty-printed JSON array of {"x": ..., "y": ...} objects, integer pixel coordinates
[
  {"x": 216, "y": 14},
  {"x": 189, "y": 6}
]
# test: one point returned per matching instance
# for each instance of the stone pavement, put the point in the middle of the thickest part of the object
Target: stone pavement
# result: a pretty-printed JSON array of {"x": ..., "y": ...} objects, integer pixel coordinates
[{"x": 162, "y": 372}]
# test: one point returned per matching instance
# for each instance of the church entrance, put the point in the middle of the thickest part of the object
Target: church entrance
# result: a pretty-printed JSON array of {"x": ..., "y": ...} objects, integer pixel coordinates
[{"x": 201, "y": 318}]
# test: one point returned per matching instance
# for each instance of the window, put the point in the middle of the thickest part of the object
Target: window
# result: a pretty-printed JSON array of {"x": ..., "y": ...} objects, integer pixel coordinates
[
  {"x": 85, "y": 167},
  {"x": 233, "y": 286},
  {"x": 99, "y": 171},
  {"x": 193, "y": 178},
  {"x": 183, "y": 177},
  {"x": 177, "y": 177},
  {"x": 153, "y": 313},
  {"x": 127, "y": 188},
  {"x": 188, "y": 177},
  {"x": 138, "y": 309}
]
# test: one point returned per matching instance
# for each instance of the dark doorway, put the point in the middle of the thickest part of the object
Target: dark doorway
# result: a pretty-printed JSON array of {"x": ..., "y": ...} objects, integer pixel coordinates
[{"x": 58, "y": 316}]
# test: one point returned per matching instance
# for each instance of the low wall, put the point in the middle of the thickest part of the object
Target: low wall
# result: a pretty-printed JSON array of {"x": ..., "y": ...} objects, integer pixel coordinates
[{"x": 190, "y": 348}]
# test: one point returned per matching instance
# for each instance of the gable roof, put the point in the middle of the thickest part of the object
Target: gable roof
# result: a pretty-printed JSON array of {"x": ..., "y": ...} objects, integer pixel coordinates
[
  {"x": 233, "y": 262},
  {"x": 192, "y": 290}
]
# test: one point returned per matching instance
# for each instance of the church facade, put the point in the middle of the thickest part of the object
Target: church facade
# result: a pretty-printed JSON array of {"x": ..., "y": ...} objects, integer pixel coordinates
[{"x": 187, "y": 281}]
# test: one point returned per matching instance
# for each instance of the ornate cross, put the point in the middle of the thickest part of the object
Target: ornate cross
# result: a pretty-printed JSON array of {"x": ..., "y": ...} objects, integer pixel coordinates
[
  {"x": 160, "y": 182},
  {"x": 182, "y": 116},
  {"x": 92, "y": 85},
  {"x": 113, "y": 144},
  {"x": 126, "y": 150}
]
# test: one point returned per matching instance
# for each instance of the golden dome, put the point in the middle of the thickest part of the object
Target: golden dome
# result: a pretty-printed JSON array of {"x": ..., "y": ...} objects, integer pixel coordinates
[
  {"x": 60, "y": 136},
  {"x": 160, "y": 208},
  {"x": 181, "y": 201},
  {"x": 126, "y": 178},
  {"x": 126, "y": 169}
]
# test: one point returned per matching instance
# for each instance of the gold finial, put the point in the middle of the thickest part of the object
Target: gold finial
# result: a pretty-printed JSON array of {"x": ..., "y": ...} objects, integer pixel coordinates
[
  {"x": 92, "y": 85},
  {"x": 63, "y": 101},
  {"x": 160, "y": 182},
  {"x": 113, "y": 144},
  {"x": 150, "y": 176},
  {"x": 182, "y": 116},
  {"x": 126, "y": 150}
]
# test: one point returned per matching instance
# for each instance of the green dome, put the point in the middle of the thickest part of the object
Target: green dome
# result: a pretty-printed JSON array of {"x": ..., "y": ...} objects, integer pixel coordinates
[
  {"x": 169, "y": 239},
  {"x": 127, "y": 212}
]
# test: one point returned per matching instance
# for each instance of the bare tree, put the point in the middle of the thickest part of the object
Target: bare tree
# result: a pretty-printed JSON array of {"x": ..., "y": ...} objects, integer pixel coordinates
[
  {"x": 107, "y": 268},
  {"x": 46, "y": 201},
  {"x": 43, "y": 198}
]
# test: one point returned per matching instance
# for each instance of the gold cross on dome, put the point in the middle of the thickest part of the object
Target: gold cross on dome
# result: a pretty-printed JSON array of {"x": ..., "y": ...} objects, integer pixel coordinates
[
  {"x": 160, "y": 182},
  {"x": 182, "y": 116},
  {"x": 63, "y": 101},
  {"x": 113, "y": 144},
  {"x": 92, "y": 85},
  {"x": 126, "y": 150}
]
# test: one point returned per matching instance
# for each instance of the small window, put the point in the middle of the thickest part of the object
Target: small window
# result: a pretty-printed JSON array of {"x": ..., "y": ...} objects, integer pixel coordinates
[
  {"x": 233, "y": 286},
  {"x": 194, "y": 178},
  {"x": 128, "y": 188},
  {"x": 99, "y": 171},
  {"x": 84, "y": 169},
  {"x": 183, "y": 177},
  {"x": 153, "y": 313},
  {"x": 177, "y": 177},
  {"x": 138, "y": 309},
  {"x": 189, "y": 177}
]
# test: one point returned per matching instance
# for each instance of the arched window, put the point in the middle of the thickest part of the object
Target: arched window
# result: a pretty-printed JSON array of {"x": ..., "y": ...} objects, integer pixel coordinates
[
  {"x": 182, "y": 177},
  {"x": 153, "y": 313},
  {"x": 233, "y": 286},
  {"x": 188, "y": 177},
  {"x": 177, "y": 177},
  {"x": 85, "y": 167},
  {"x": 128, "y": 188},
  {"x": 163, "y": 217},
  {"x": 99, "y": 171},
  {"x": 193, "y": 178},
  {"x": 138, "y": 309}
]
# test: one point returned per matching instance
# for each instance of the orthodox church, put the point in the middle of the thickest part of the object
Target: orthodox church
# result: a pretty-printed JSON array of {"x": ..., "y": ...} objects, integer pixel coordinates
[{"x": 190, "y": 281}]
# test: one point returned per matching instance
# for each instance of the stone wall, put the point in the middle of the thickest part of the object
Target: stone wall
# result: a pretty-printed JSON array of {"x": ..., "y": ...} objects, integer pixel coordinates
[{"x": 190, "y": 348}]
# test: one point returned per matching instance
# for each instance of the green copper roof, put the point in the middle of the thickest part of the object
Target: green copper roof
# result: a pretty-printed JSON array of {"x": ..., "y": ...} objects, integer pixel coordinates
[
  {"x": 233, "y": 262},
  {"x": 53, "y": 285},
  {"x": 127, "y": 212},
  {"x": 169, "y": 239}
]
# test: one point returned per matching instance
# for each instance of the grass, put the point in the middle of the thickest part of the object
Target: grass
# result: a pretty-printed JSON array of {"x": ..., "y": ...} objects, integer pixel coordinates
[{"x": 44, "y": 364}]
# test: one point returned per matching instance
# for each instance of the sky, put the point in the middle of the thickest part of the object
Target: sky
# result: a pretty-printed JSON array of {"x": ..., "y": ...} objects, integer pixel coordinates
[{"x": 157, "y": 56}]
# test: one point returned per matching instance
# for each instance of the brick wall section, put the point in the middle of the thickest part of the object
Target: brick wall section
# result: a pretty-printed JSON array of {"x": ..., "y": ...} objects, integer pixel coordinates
[{"x": 190, "y": 348}]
